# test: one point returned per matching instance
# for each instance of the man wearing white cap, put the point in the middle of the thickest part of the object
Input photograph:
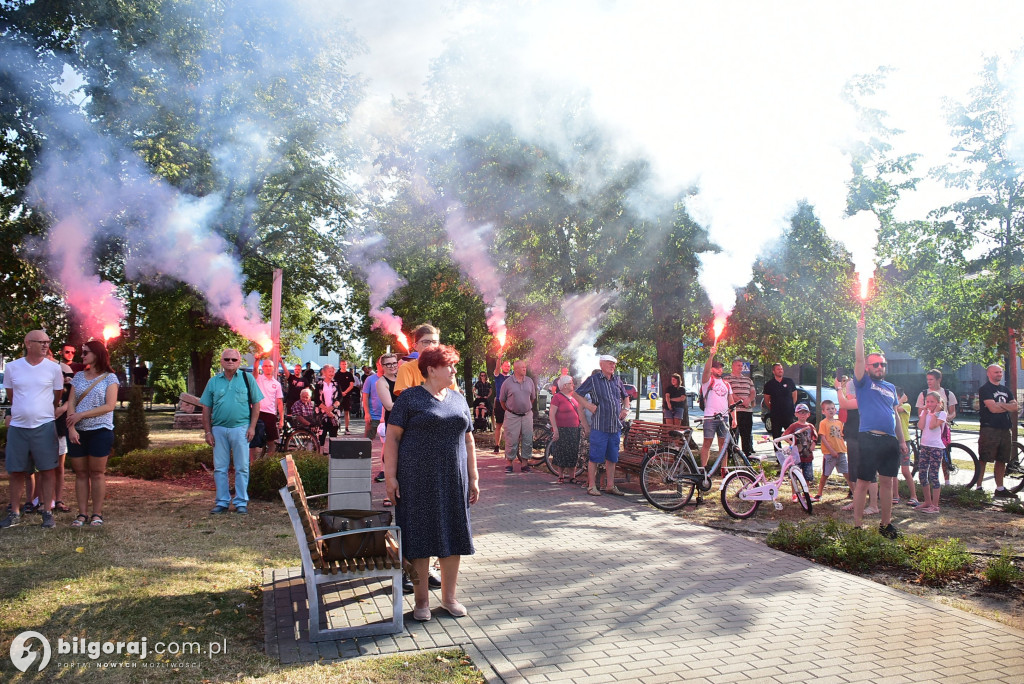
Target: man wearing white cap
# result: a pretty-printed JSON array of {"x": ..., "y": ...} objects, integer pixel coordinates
[{"x": 610, "y": 406}]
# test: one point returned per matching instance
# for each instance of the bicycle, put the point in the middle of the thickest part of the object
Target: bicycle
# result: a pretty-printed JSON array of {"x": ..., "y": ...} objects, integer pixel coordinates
[
  {"x": 955, "y": 452},
  {"x": 294, "y": 439},
  {"x": 669, "y": 476},
  {"x": 582, "y": 459},
  {"x": 742, "y": 493},
  {"x": 1013, "y": 478}
]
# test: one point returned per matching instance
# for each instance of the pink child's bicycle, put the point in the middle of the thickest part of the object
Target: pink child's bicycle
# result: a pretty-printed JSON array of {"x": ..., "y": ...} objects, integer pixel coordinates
[{"x": 742, "y": 493}]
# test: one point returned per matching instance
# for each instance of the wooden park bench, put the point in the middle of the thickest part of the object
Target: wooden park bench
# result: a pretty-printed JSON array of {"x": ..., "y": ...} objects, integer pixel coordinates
[
  {"x": 317, "y": 571},
  {"x": 643, "y": 436}
]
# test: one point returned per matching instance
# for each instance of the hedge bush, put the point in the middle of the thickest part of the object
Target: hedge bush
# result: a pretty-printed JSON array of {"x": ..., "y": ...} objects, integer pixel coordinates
[
  {"x": 168, "y": 462},
  {"x": 843, "y": 546},
  {"x": 266, "y": 476},
  {"x": 131, "y": 431}
]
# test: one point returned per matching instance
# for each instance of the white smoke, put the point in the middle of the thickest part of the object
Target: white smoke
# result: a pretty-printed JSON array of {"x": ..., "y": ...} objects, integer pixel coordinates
[{"x": 741, "y": 100}]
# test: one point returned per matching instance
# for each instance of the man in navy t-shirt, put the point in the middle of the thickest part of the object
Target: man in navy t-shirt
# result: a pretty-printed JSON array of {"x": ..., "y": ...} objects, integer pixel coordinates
[
  {"x": 995, "y": 441},
  {"x": 881, "y": 435}
]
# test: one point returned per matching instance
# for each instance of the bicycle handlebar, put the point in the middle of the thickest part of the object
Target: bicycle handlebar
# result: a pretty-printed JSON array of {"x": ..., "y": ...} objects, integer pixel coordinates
[{"x": 791, "y": 438}]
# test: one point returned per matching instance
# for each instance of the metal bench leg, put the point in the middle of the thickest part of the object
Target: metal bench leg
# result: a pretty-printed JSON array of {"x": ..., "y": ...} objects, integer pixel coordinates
[
  {"x": 313, "y": 598},
  {"x": 398, "y": 607}
]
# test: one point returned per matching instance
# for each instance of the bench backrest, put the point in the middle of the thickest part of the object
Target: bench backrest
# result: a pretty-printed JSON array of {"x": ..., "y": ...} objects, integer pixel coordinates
[
  {"x": 644, "y": 435},
  {"x": 310, "y": 525}
]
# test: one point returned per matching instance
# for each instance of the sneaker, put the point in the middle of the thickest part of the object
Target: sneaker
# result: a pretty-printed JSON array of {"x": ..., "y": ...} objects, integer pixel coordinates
[
  {"x": 433, "y": 579},
  {"x": 508, "y": 468},
  {"x": 495, "y": 448},
  {"x": 815, "y": 498},
  {"x": 27, "y": 508},
  {"x": 380, "y": 477},
  {"x": 407, "y": 586},
  {"x": 525, "y": 468},
  {"x": 241, "y": 510},
  {"x": 11, "y": 520},
  {"x": 48, "y": 521},
  {"x": 889, "y": 531},
  {"x": 1004, "y": 494},
  {"x": 217, "y": 510}
]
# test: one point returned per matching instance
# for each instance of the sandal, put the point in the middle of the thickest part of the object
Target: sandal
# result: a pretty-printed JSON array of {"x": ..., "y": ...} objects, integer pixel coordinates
[
  {"x": 96, "y": 520},
  {"x": 79, "y": 520},
  {"x": 561, "y": 480},
  {"x": 59, "y": 505},
  {"x": 387, "y": 503},
  {"x": 594, "y": 491},
  {"x": 913, "y": 502}
]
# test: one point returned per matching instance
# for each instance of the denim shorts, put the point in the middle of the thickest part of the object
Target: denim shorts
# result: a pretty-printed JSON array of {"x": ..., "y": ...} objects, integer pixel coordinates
[
  {"x": 672, "y": 413},
  {"x": 713, "y": 426},
  {"x": 96, "y": 443},
  {"x": 604, "y": 446}
]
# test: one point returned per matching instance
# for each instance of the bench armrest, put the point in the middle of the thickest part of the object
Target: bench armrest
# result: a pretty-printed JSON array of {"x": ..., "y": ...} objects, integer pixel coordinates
[
  {"x": 316, "y": 496},
  {"x": 359, "y": 531}
]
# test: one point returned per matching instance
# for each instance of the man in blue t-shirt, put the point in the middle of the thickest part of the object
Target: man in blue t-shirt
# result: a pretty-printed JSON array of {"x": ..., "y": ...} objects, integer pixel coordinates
[{"x": 881, "y": 435}]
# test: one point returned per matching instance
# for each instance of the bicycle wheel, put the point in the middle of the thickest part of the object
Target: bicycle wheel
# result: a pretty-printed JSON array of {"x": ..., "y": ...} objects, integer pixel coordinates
[
  {"x": 548, "y": 456},
  {"x": 541, "y": 439},
  {"x": 796, "y": 479},
  {"x": 1014, "y": 477},
  {"x": 582, "y": 459},
  {"x": 301, "y": 440},
  {"x": 965, "y": 468},
  {"x": 663, "y": 480},
  {"x": 734, "y": 483}
]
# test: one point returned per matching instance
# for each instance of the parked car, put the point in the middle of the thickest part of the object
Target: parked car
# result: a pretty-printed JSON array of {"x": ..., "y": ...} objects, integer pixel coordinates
[
  {"x": 804, "y": 395},
  {"x": 3, "y": 390},
  {"x": 631, "y": 391}
]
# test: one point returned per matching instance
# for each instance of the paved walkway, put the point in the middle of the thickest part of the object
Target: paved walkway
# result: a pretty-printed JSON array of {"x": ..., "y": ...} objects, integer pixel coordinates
[{"x": 567, "y": 587}]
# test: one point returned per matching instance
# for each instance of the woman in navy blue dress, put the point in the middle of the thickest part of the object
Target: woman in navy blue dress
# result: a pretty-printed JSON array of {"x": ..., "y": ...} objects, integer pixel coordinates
[{"x": 430, "y": 473}]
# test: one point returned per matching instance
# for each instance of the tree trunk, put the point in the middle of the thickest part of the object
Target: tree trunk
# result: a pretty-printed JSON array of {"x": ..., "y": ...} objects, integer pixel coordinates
[
  {"x": 199, "y": 371},
  {"x": 669, "y": 345}
]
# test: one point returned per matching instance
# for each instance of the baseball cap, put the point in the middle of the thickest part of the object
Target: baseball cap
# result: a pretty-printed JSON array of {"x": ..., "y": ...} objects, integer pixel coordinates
[
  {"x": 717, "y": 364},
  {"x": 802, "y": 407}
]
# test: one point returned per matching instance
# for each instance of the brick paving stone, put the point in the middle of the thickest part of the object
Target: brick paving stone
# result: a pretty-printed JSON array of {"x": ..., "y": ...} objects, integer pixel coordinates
[{"x": 551, "y": 599}]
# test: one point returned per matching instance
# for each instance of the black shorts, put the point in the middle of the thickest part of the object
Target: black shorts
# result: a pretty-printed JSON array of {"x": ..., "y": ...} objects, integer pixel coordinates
[
  {"x": 499, "y": 413},
  {"x": 878, "y": 454},
  {"x": 270, "y": 422}
]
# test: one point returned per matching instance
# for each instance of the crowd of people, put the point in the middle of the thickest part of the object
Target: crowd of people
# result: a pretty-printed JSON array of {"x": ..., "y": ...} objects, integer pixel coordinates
[{"x": 413, "y": 404}]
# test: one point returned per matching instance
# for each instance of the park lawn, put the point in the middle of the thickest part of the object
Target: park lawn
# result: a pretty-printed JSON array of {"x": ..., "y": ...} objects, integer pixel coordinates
[{"x": 164, "y": 569}]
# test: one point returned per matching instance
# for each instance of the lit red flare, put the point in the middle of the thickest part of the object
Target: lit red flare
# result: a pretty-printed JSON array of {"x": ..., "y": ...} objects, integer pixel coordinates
[
  {"x": 865, "y": 285},
  {"x": 110, "y": 332},
  {"x": 718, "y": 326},
  {"x": 402, "y": 339},
  {"x": 266, "y": 344},
  {"x": 501, "y": 335}
]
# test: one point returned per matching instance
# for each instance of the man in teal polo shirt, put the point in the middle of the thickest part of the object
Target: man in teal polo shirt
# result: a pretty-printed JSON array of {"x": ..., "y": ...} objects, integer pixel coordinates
[{"x": 231, "y": 407}]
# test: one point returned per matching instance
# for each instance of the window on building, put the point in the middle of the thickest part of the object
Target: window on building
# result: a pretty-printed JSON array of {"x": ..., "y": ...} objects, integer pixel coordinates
[{"x": 324, "y": 350}]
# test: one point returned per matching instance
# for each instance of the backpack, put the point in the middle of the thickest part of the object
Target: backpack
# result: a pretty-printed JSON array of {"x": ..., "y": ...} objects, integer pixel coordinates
[{"x": 702, "y": 398}]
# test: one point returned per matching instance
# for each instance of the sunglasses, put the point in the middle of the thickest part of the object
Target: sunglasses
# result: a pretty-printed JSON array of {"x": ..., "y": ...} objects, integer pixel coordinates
[
  {"x": 389, "y": 365},
  {"x": 46, "y": 342},
  {"x": 66, "y": 352},
  {"x": 879, "y": 364},
  {"x": 227, "y": 359}
]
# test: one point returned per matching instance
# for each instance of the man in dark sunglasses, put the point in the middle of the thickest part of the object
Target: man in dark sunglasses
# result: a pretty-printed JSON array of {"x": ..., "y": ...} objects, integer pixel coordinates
[
  {"x": 881, "y": 437},
  {"x": 231, "y": 407}
]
